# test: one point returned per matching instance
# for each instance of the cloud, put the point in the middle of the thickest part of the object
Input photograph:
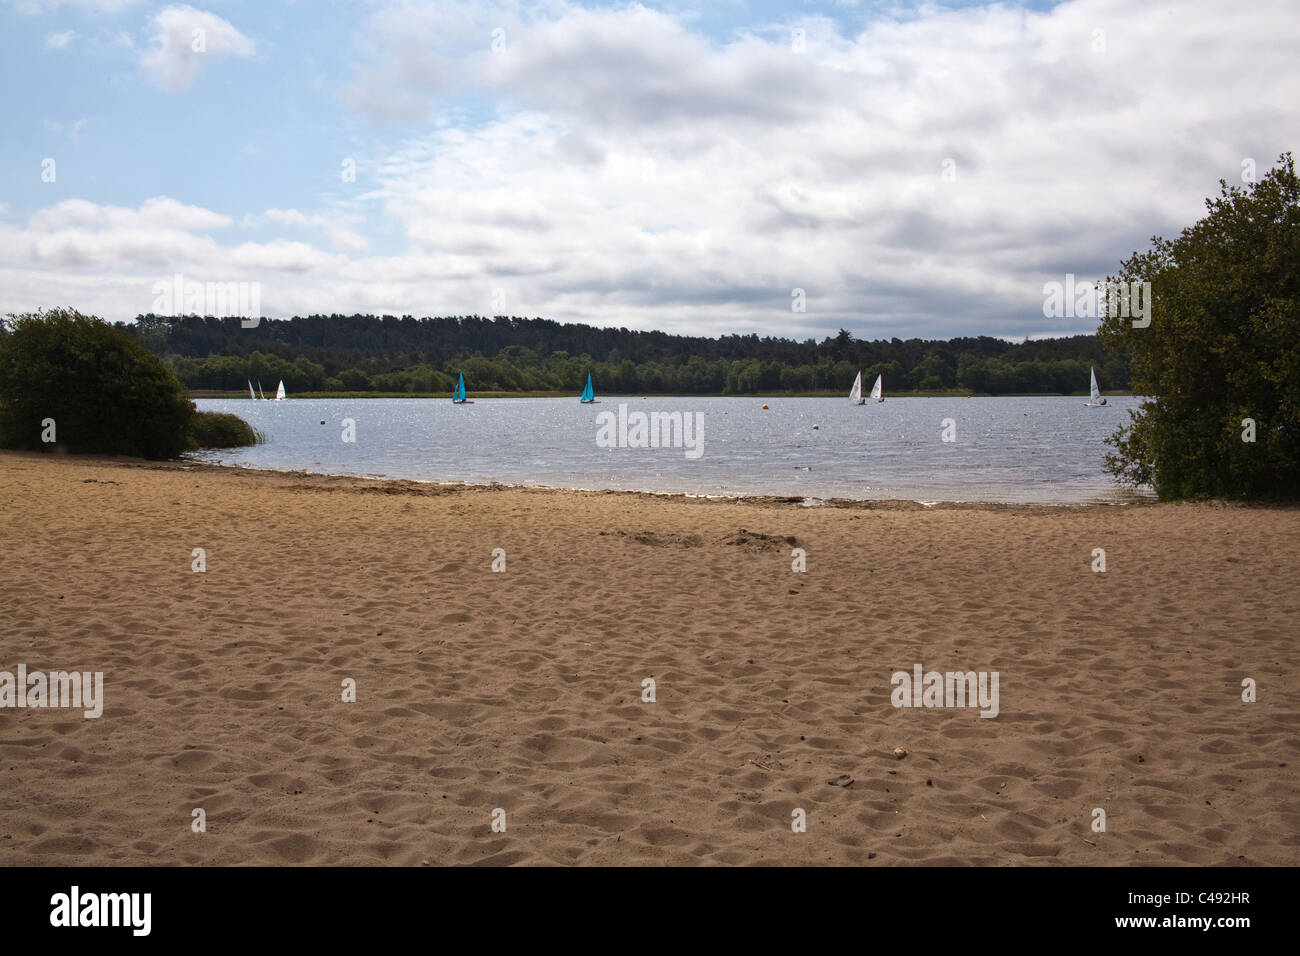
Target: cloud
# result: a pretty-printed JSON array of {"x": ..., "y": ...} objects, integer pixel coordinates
[
  {"x": 160, "y": 212},
  {"x": 78, "y": 234},
  {"x": 635, "y": 67},
  {"x": 279, "y": 255},
  {"x": 415, "y": 53},
  {"x": 186, "y": 40},
  {"x": 332, "y": 227},
  {"x": 107, "y": 258},
  {"x": 664, "y": 171},
  {"x": 35, "y": 7},
  {"x": 73, "y": 131},
  {"x": 59, "y": 41},
  {"x": 915, "y": 176}
]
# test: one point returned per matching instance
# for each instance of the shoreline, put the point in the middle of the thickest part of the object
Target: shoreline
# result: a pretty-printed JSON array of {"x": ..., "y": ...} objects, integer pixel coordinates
[
  {"x": 876, "y": 504},
  {"x": 1122, "y": 497}
]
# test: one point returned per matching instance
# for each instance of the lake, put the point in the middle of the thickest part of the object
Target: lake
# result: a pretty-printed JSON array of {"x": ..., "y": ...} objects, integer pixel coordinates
[{"x": 1044, "y": 450}]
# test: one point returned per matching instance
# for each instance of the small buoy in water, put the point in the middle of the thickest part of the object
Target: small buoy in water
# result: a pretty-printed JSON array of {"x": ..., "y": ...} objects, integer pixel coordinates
[
  {"x": 322, "y": 421},
  {"x": 764, "y": 407},
  {"x": 816, "y": 427}
]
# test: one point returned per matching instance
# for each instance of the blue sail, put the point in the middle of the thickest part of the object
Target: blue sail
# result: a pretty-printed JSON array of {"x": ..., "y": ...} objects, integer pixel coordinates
[
  {"x": 459, "y": 394},
  {"x": 588, "y": 393}
]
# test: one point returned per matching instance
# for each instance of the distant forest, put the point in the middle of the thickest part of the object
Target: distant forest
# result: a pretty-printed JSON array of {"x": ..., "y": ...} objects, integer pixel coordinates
[{"x": 360, "y": 353}]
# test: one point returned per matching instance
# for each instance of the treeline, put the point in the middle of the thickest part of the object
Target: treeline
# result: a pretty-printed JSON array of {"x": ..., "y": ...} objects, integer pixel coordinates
[{"x": 390, "y": 354}]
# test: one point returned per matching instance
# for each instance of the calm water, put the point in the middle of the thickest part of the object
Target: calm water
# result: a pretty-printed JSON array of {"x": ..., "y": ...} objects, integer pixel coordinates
[{"x": 1006, "y": 449}]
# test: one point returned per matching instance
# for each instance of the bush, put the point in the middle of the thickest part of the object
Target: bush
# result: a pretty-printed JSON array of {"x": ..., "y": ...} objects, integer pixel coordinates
[
  {"x": 355, "y": 380},
  {"x": 221, "y": 430},
  {"x": 71, "y": 381},
  {"x": 1219, "y": 358},
  {"x": 391, "y": 382},
  {"x": 104, "y": 391}
]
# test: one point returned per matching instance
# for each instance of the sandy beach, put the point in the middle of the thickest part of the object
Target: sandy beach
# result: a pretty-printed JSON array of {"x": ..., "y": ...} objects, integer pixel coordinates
[{"x": 522, "y": 690}]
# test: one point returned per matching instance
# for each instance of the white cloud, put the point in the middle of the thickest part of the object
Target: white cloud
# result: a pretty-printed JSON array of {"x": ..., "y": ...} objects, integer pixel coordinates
[
  {"x": 77, "y": 234},
  {"x": 667, "y": 174},
  {"x": 60, "y": 41},
  {"x": 278, "y": 255},
  {"x": 416, "y": 52},
  {"x": 625, "y": 169},
  {"x": 186, "y": 40},
  {"x": 160, "y": 212},
  {"x": 34, "y": 7},
  {"x": 334, "y": 227},
  {"x": 73, "y": 131}
]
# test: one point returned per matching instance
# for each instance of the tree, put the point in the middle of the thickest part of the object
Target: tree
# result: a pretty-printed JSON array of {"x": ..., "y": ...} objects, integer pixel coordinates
[
  {"x": 355, "y": 380},
  {"x": 89, "y": 387},
  {"x": 842, "y": 345},
  {"x": 312, "y": 352},
  {"x": 973, "y": 373},
  {"x": 1220, "y": 351}
]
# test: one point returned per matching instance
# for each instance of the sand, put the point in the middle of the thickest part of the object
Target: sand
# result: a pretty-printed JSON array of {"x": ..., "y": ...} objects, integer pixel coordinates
[{"x": 522, "y": 691}]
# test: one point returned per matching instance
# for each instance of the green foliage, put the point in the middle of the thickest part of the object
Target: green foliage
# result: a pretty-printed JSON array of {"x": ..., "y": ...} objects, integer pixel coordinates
[
  {"x": 355, "y": 380},
  {"x": 1063, "y": 376},
  {"x": 221, "y": 430},
  {"x": 385, "y": 354},
  {"x": 1221, "y": 348},
  {"x": 106, "y": 393}
]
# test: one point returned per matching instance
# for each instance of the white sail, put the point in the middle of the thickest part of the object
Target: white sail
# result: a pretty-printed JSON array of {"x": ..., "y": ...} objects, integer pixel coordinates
[
  {"x": 855, "y": 393},
  {"x": 1095, "y": 401},
  {"x": 260, "y": 393},
  {"x": 251, "y": 394},
  {"x": 279, "y": 392},
  {"x": 876, "y": 389}
]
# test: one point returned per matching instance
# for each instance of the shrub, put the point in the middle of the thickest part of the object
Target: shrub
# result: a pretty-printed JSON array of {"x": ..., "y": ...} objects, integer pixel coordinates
[
  {"x": 105, "y": 392},
  {"x": 221, "y": 430},
  {"x": 91, "y": 387},
  {"x": 1220, "y": 350}
]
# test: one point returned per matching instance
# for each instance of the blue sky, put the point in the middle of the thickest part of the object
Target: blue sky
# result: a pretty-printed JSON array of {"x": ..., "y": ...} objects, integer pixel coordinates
[
  {"x": 915, "y": 169},
  {"x": 242, "y": 135}
]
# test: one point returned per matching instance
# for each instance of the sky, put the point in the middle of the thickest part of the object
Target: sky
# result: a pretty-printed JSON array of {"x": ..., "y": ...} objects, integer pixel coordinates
[{"x": 788, "y": 169}]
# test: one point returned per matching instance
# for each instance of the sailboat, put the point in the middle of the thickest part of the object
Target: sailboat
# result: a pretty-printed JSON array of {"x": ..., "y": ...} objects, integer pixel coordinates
[
  {"x": 279, "y": 392},
  {"x": 855, "y": 393},
  {"x": 260, "y": 393},
  {"x": 458, "y": 394},
  {"x": 588, "y": 393},
  {"x": 1096, "y": 401},
  {"x": 251, "y": 393},
  {"x": 876, "y": 395}
]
